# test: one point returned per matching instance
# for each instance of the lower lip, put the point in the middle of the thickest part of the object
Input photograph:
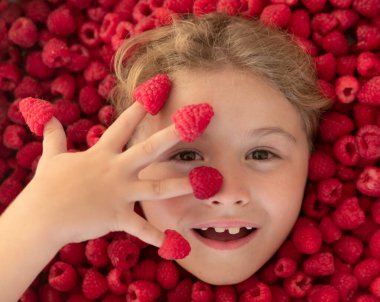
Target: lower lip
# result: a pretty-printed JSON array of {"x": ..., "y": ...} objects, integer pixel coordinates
[{"x": 226, "y": 245}]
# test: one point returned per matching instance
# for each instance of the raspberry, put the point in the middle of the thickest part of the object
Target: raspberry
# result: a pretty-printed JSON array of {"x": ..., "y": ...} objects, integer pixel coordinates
[
  {"x": 346, "y": 65},
  {"x": 79, "y": 3},
  {"x": 66, "y": 112},
  {"x": 307, "y": 239},
  {"x": 329, "y": 190},
  {"x": 368, "y": 181},
  {"x": 9, "y": 189},
  {"x": 89, "y": 100},
  {"x": 345, "y": 283},
  {"x": 35, "y": 66},
  {"x": 368, "y": 37},
  {"x": 346, "y": 150},
  {"x": 179, "y": 6},
  {"x": 375, "y": 211},
  {"x": 28, "y": 87},
  {"x": 368, "y": 64},
  {"x": 285, "y": 267},
  {"x": 153, "y": 93},
  {"x": 202, "y": 7},
  {"x": 374, "y": 245},
  {"x": 61, "y": 22},
  {"x": 47, "y": 293},
  {"x": 205, "y": 181},
  {"x": 321, "y": 166},
  {"x": 80, "y": 58},
  {"x": 118, "y": 280},
  {"x": 367, "y": 8},
  {"x": 374, "y": 287},
  {"x": 107, "y": 115},
  {"x": 325, "y": 293},
  {"x": 10, "y": 76},
  {"x": 55, "y": 53},
  {"x": 62, "y": 276},
  {"x": 73, "y": 253},
  {"x": 341, "y": 3},
  {"x": 36, "y": 113},
  {"x": 369, "y": 93},
  {"x": 299, "y": 24},
  {"x": 143, "y": 291},
  {"x": 174, "y": 246},
  {"x": 335, "y": 42},
  {"x": 348, "y": 248},
  {"x": 124, "y": 30},
  {"x": 23, "y": 32},
  {"x": 94, "y": 284},
  {"x": 123, "y": 253},
  {"x": 334, "y": 125},
  {"x": 106, "y": 85},
  {"x": 167, "y": 274},
  {"x": 96, "y": 252},
  {"x": 277, "y": 15},
  {"x": 182, "y": 291},
  {"x": 95, "y": 71},
  {"x": 346, "y": 88},
  {"x": 202, "y": 292},
  {"x": 298, "y": 285},
  {"x": 29, "y": 296},
  {"x": 94, "y": 134},
  {"x": 366, "y": 270},
  {"x": 89, "y": 34},
  {"x": 368, "y": 141},
  {"x": 348, "y": 215},
  {"x": 77, "y": 132},
  {"x": 364, "y": 114},
  {"x": 141, "y": 10},
  {"x": 229, "y": 7},
  {"x": 145, "y": 270},
  {"x": 326, "y": 65},
  {"x": 225, "y": 293},
  {"x": 330, "y": 231},
  {"x": 347, "y": 18},
  {"x": 14, "y": 136},
  {"x": 190, "y": 121},
  {"x": 37, "y": 10},
  {"x": 323, "y": 23}
]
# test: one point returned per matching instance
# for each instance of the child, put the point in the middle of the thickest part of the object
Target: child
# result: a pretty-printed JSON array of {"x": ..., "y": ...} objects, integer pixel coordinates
[{"x": 262, "y": 87}]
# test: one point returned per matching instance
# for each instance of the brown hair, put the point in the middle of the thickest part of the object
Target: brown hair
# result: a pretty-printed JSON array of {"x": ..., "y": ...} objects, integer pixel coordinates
[{"x": 215, "y": 40}]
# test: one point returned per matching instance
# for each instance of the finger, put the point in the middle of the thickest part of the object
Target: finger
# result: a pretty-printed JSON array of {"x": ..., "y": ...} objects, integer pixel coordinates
[
  {"x": 139, "y": 227},
  {"x": 160, "y": 189},
  {"x": 54, "y": 139},
  {"x": 118, "y": 134},
  {"x": 142, "y": 154}
]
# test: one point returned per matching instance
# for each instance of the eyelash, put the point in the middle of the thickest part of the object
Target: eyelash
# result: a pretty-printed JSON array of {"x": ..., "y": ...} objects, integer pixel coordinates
[{"x": 272, "y": 155}]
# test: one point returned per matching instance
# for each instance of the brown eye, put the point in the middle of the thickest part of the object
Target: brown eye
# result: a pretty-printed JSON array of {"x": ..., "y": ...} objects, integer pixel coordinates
[
  {"x": 185, "y": 156},
  {"x": 261, "y": 155}
]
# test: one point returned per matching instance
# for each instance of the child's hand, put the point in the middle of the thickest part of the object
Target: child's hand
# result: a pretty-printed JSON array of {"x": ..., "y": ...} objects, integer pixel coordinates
[{"x": 87, "y": 194}]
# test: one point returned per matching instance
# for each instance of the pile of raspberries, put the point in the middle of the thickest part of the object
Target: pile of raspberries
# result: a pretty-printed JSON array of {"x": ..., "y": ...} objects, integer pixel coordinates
[{"x": 61, "y": 51}]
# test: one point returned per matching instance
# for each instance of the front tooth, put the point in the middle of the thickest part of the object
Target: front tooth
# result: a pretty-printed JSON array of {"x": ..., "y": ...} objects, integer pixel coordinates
[
  {"x": 219, "y": 230},
  {"x": 249, "y": 228},
  {"x": 204, "y": 229},
  {"x": 233, "y": 231}
]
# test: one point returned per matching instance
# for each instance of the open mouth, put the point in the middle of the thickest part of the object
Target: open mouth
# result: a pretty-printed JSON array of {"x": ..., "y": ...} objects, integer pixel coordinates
[{"x": 225, "y": 234}]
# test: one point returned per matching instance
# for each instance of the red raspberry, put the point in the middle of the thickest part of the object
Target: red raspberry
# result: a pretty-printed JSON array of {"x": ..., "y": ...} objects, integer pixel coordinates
[
  {"x": 96, "y": 252},
  {"x": 164, "y": 16},
  {"x": 368, "y": 64},
  {"x": 141, "y": 10},
  {"x": 174, "y": 246},
  {"x": 346, "y": 65},
  {"x": 202, "y": 292},
  {"x": 341, "y": 3},
  {"x": 190, "y": 121},
  {"x": 62, "y": 276},
  {"x": 346, "y": 88},
  {"x": 326, "y": 65},
  {"x": 345, "y": 283},
  {"x": 375, "y": 211},
  {"x": 366, "y": 270},
  {"x": 346, "y": 150},
  {"x": 368, "y": 8},
  {"x": 329, "y": 190},
  {"x": 279, "y": 294},
  {"x": 307, "y": 239},
  {"x": 61, "y": 22},
  {"x": 323, "y": 23},
  {"x": 298, "y": 285},
  {"x": 369, "y": 93},
  {"x": 89, "y": 100},
  {"x": 23, "y": 32},
  {"x": 368, "y": 37},
  {"x": 124, "y": 30},
  {"x": 145, "y": 270},
  {"x": 368, "y": 141},
  {"x": 202, "y": 7},
  {"x": 95, "y": 71},
  {"x": 348, "y": 248},
  {"x": 347, "y": 18},
  {"x": 73, "y": 253},
  {"x": 10, "y": 76},
  {"x": 143, "y": 291},
  {"x": 374, "y": 245},
  {"x": 36, "y": 113},
  {"x": 94, "y": 134},
  {"x": 14, "y": 136},
  {"x": 314, "y": 6},
  {"x": 63, "y": 86},
  {"x": 320, "y": 264},
  {"x": 77, "y": 132},
  {"x": 96, "y": 13},
  {"x": 47, "y": 294},
  {"x": 330, "y": 231},
  {"x": 179, "y": 6},
  {"x": 368, "y": 181},
  {"x": 321, "y": 166},
  {"x": 94, "y": 284},
  {"x": 118, "y": 280},
  {"x": 325, "y": 293},
  {"x": 299, "y": 24},
  {"x": 66, "y": 112},
  {"x": 37, "y": 10},
  {"x": 374, "y": 287},
  {"x": 89, "y": 34},
  {"x": 327, "y": 89},
  {"x": 27, "y": 87},
  {"x": 259, "y": 292},
  {"x": 182, "y": 292},
  {"x": 123, "y": 253},
  {"x": 364, "y": 114},
  {"x": 9, "y": 189},
  {"x": 29, "y": 296},
  {"x": 106, "y": 85},
  {"x": 35, "y": 66},
  {"x": 55, "y": 53},
  {"x": 153, "y": 93},
  {"x": 277, "y": 15},
  {"x": 167, "y": 274},
  {"x": 205, "y": 181},
  {"x": 334, "y": 125},
  {"x": 335, "y": 42},
  {"x": 225, "y": 293},
  {"x": 348, "y": 215},
  {"x": 312, "y": 207},
  {"x": 145, "y": 24},
  {"x": 107, "y": 115},
  {"x": 285, "y": 267},
  {"x": 229, "y": 7},
  {"x": 80, "y": 58}
]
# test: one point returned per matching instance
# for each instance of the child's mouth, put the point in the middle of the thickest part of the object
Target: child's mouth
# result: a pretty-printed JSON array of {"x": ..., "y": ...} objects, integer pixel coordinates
[{"x": 225, "y": 234}]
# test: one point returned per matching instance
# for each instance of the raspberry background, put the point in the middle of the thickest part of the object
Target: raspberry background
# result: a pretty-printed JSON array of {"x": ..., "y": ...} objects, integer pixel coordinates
[{"x": 61, "y": 51}]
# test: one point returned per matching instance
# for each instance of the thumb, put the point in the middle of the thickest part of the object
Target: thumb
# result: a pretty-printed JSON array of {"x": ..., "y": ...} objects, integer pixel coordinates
[{"x": 54, "y": 141}]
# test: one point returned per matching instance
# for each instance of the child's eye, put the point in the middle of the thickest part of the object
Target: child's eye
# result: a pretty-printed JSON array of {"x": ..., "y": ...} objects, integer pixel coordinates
[
  {"x": 185, "y": 156},
  {"x": 261, "y": 154}
]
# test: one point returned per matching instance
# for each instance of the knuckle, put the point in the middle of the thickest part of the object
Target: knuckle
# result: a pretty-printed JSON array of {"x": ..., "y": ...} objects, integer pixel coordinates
[
  {"x": 156, "y": 187},
  {"x": 148, "y": 147}
]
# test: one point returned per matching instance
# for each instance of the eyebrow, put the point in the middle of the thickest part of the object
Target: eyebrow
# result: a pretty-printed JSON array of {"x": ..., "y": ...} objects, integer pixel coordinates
[{"x": 264, "y": 131}]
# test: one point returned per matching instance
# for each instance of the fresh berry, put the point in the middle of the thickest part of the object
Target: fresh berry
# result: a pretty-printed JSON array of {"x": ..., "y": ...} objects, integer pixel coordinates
[
  {"x": 96, "y": 252},
  {"x": 23, "y": 32},
  {"x": 61, "y": 22},
  {"x": 348, "y": 248},
  {"x": 190, "y": 121},
  {"x": 320, "y": 264},
  {"x": 225, "y": 293},
  {"x": 326, "y": 293},
  {"x": 202, "y": 292},
  {"x": 62, "y": 276},
  {"x": 153, "y": 93},
  {"x": 298, "y": 285},
  {"x": 182, "y": 292},
  {"x": 314, "y": 6},
  {"x": 334, "y": 125},
  {"x": 285, "y": 267},
  {"x": 307, "y": 239},
  {"x": 123, "y": 253},
  {"x": 94, "y": 284},
  {"x": 55, "y": 53},
  {"x": 368, "y": 181},
  {"x": 346, "y": 88},
  {"x": 366, "y": 270},
  {"x": 348, "y": 215},
  {"x": 321, "y": 166},
  {"x": 145, "y": 270},
  {"x": 369, "y": 93},
  {"x": 143, "y": 291},
  {"x": 174, "y": 246},
  {"x": 205, "y": 181},
  {"x": 277, "y": 15},
  {"x": 118, "y": 280},
  {"x": 368, "y": 141},
  {"x": 167, "y": 274}
]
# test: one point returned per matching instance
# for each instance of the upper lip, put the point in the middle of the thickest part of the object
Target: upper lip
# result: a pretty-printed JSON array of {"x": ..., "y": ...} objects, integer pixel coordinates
[{"x": 225, "y": 224}]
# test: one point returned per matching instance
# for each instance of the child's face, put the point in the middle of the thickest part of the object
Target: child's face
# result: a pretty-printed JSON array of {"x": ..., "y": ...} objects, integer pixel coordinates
[{"x": 259, "y": 189}]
